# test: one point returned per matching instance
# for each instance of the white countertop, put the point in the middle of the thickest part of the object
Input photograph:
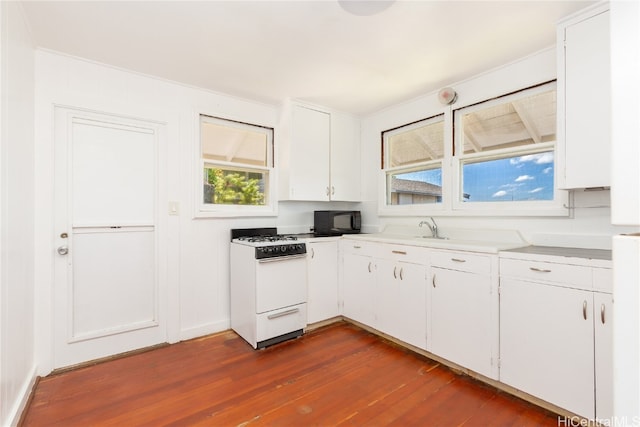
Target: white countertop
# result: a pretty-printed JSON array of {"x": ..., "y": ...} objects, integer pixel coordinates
[{"x": 487, "y": 241}]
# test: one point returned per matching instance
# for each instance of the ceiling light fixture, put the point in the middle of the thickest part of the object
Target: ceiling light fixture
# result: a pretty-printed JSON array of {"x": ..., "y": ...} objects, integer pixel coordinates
[{"x": 365, "y": 7}]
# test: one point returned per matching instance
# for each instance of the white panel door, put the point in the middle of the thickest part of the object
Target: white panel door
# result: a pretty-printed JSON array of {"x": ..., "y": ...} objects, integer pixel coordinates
[{"x": 108, "y": 294}]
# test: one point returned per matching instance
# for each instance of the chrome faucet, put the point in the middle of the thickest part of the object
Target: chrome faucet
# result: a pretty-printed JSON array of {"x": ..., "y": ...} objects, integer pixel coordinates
[{"x": 433, "y": 227}]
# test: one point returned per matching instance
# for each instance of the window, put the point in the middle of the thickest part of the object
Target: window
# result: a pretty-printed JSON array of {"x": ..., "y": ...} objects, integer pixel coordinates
[
  {"x": 237, "y": 166},
  {"x": 495, "y": 157},
  {"x": 506, "y": 148},
  {"x": 413, "y": 162}
]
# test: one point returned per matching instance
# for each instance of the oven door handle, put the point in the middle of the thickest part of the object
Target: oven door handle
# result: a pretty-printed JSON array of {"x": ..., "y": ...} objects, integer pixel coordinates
[
  {"x": 282, "y": 258},
  {"x": 283, "y": 313}
]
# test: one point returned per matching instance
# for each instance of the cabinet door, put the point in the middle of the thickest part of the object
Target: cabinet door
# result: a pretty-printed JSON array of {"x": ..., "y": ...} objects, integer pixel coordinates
[
  {"x": 587, "y": 103},
  {"x": 345, "y": 158},
  {"x": 322, "y": 270},
  {"x": 358, "y": 288},
  {"x": 546, "y": 343},
  {"x": 603, "y": 315},
  {"x": 461, "y": 322},
  {"x": 309, "y": 158},
  {"x": 401, "y": 302}
]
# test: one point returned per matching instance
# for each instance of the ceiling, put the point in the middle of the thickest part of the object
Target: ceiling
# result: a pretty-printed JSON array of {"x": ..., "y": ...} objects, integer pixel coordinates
[{"x": 313, "y": 51}]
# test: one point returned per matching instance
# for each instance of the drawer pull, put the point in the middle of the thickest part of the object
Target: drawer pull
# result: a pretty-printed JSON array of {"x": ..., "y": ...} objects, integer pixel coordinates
[
  {"x": 602, "y": 313},
  {"x": 539, "y": 270},
  {"x": 458, "y": 260},
  {"x": 356, "y": 247},
  {"x": 394, "y": 273},
  {"x": 399, "y": 252},
  {"x": 282, "y": 314},
  {"x": 584, "y": 309}
]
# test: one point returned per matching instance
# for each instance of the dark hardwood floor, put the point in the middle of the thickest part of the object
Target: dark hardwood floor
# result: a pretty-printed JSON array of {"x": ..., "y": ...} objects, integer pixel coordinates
[{"x": 339, "y": 375}]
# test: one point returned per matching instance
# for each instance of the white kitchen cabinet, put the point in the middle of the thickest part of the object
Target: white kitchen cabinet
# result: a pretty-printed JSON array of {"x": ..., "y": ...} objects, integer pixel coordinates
[
  {"x": 546, "y": 343},
  {"x": 463, "y": 311},
  {"x": 584, "y": 100},
  {"x": 322, "y": 280},
  {"x": 401, "y": 296},
  {"x": 556, "y": 329},
  {"x": 358, "y": 282},
  {"x": 603, "y": 325},
  {"x": 319, "y": 154}
]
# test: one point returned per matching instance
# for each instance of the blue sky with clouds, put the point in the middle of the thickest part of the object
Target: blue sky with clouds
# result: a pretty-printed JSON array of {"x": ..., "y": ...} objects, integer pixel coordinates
[{"x": 520, "y": 178}]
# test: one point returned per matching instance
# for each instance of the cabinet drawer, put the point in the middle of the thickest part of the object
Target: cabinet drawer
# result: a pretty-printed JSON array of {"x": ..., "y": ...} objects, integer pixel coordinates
[
  {"x": 461, "y": 261},
  {"x": 358, "y": 247},
  {"x": 410, "y": 254},
  {"x": 281, "y": 321},
  {"x": 569, "y": 275}
]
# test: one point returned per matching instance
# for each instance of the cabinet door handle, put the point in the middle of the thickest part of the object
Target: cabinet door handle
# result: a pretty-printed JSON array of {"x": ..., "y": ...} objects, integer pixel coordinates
[
  {"x": 584, "y": 309},
  {"x": 458, "y": 260},
  {"x": 328, "y": 191},
  {"x": 333, "y": 190},
  {"x": 369, "y": 267},
  {"x": 313, "y": 253},
  {"x": 602, "y": 314},
  {"x": 401, "y": 268},
  {"x": 399, "y": 252},
  {"x": 433, "y": 280},
  {"x": 394, "y": 273},
  {"x": 539, "y": 270}
]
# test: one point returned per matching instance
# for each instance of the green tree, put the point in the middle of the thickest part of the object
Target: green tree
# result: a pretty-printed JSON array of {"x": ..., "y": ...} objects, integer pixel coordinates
[{"x": 233, "y": 188}]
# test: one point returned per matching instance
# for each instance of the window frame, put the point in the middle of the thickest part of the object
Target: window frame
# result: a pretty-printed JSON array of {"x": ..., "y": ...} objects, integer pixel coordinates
[
  {"x": 517, "y": 208},
  {"x": 452, "y": 162},
  {"x": 211, "y": 210},
  {"x": 412, "y": 209}
]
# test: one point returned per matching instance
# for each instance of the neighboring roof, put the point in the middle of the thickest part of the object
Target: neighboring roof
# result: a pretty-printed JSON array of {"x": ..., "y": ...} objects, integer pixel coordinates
[
  {"x": 408, "y": 186},
  {"x": 415, "y": 187}
]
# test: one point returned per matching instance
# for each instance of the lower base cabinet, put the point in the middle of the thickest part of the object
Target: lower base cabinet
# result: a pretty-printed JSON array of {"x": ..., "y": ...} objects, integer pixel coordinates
[
  {"x": 359, "y": 281},
  {"x": 322, "y": 280},
  {"x": 463, "y": 329},
  {"x": 401, "y": 302},
  {"x": 547, "y": 343}
]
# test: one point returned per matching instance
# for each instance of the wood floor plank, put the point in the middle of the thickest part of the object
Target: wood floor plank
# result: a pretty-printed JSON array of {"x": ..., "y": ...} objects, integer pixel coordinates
[{"x": 339, "y": 375}]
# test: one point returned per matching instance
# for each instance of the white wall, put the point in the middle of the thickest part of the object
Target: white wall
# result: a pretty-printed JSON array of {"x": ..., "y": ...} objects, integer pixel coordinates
[
  {"x": 197, "y": 266},
  {"x": 590, "y": 224},
  {"x": 17, "y": 366}
]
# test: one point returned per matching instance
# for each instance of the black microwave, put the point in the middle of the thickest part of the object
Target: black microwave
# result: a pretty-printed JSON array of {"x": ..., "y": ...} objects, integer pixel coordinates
[{"x": 336, "y": 223}]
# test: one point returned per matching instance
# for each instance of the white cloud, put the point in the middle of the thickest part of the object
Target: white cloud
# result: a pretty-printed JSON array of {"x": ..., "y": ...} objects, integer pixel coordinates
[
  {"x": 539, "y": 159},
  {"x": 500, "y": 193},
  {"x": 547, "y": 170},
  {"x": 537, "y": 190},
  {"x": 524, "y": 178}
]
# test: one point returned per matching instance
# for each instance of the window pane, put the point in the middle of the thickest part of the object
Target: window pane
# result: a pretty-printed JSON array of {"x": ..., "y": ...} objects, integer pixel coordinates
[
  {"x": 519, "y": 178},
  {"x": 523, "y": 121},
  {"x": 414, "y": 188},
  {"x": 418, "y": 143},
  {"x": 233, "y": 143},
  {"x": 234, "y": 187}
]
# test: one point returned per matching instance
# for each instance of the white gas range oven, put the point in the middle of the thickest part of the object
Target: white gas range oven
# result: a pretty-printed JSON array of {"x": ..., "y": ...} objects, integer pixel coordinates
[{"x": 268, "y": 275}]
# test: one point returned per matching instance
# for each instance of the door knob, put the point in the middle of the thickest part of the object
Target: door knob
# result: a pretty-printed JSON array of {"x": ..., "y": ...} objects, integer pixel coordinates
[{"x": 63, "y": 250}]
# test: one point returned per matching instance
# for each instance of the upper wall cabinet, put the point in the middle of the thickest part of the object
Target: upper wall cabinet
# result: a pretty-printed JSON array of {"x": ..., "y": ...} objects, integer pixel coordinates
[
  {"x": 319, "y": 152},
  {"x": 584, "y": 100}
]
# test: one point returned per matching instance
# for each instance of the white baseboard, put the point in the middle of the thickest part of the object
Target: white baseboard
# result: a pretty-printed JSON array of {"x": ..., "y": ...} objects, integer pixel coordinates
[
  {"x": 206, "y": 329},
  {"x": 23, "y": 398}
]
